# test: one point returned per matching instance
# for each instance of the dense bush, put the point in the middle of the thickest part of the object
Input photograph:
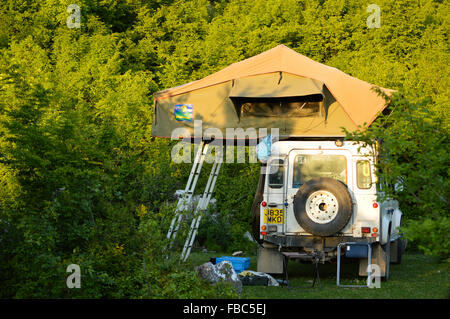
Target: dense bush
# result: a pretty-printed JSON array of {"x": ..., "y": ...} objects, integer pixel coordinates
[
  {"x": 430, "y": 235},
  {"x": 217, "y": 233}
]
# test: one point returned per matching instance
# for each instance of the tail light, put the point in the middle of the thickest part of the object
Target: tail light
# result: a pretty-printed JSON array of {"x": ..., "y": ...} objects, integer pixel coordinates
[
  {"x": 374, "y": 232},
  {"x": 365, "y": 230}
]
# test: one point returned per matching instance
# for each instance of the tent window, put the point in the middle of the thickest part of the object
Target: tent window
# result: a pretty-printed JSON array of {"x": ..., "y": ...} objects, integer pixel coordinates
[
  {"x": 277, "y": 109},
  {"x": 309, "y": 106}
]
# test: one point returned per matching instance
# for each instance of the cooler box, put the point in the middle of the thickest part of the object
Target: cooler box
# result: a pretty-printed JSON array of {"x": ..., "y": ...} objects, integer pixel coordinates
[{"x": 239, "y": 263}]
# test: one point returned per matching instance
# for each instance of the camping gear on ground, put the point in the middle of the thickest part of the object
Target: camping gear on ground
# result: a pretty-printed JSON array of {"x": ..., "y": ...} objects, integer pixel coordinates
[
  {"x": 239, "y": 263},
  {"x": 255, "y": 278},
  {"x": 355, "y": 250}
]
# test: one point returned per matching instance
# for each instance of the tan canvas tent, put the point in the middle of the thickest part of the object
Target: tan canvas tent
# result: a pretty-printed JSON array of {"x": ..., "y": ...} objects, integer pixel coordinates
[{"x": 278, "y": 88}]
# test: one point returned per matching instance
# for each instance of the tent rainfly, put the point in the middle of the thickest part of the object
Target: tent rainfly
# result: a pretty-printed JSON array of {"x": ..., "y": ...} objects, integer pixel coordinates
[{"x": 278, "y": 88}]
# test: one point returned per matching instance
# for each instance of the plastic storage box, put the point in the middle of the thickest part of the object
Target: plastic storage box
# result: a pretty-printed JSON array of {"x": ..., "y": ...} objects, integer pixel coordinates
[
  {"x": 356, "y": 250},
  {"x": 239, "y": 263}
]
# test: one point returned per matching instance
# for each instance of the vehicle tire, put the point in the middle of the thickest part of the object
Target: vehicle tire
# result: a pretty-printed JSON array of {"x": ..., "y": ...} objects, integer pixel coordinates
[
  {"x": 323, "y": 206},
  {"x": 401, "y": 245},
  {"x": 396, "y": 256}
]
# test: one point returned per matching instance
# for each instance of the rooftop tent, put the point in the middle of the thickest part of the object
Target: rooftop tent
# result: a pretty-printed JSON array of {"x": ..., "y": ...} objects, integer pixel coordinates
[{"x": 278, "y": 88}]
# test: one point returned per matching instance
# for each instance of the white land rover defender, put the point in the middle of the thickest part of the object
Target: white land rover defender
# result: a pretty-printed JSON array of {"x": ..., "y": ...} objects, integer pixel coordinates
[{"x": 316, "y": 194}]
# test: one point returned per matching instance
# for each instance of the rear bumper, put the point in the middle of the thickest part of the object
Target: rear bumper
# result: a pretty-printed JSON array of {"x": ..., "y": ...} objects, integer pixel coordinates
[{"x": 315, "y": 242}]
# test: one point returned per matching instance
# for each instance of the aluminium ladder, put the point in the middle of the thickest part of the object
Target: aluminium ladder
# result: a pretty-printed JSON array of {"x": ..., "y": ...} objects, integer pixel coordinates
[{"x": 186, "y": 199}]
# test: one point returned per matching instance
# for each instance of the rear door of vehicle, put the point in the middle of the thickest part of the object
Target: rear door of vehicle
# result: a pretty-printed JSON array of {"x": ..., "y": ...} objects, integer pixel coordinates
[{"x": 297, "y": 160}]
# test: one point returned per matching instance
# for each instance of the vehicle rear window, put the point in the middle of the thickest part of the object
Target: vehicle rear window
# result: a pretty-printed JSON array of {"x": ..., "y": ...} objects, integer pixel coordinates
[
  {"x": 276, "y": 173},
  {"x": 363, "y": 175},
  {"x": 307, "y": 167}
]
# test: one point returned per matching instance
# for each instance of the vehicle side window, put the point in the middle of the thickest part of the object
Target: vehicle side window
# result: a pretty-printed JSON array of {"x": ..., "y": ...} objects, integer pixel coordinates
[
  {"x": 363, "y": 175},
  {"x": 276, "y": 173}
]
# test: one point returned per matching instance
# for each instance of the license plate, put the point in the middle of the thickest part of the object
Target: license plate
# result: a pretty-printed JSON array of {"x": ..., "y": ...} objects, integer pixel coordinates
[{"x": 273, "y": 216}]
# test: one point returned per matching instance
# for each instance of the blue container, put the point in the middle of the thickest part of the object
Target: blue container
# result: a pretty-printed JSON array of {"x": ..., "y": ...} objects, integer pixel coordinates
[
  {"x": 356, "y": 250},
  {"x": 239, "y": 263}
]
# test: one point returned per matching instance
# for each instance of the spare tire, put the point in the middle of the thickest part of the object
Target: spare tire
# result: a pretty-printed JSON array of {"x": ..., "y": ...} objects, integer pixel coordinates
[{"x": 323, "y": 206}]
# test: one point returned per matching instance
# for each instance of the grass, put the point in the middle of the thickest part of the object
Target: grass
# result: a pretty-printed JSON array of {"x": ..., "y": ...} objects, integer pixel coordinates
[{"x": 417, "y": 277}]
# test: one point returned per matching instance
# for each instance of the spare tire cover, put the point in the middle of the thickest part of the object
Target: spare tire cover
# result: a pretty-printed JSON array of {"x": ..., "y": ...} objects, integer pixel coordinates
[{"x": 323, "y": 206}]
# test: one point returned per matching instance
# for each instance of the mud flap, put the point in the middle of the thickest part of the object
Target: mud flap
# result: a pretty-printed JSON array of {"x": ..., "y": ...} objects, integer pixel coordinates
[
  {"x": 270, "y": 261},
  {"x": 378, "y": 258}
]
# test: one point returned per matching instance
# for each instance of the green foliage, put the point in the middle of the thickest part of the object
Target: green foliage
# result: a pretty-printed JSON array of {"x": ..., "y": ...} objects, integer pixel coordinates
[
  {"x": 413, "y": 166},
  {"x": 83, "y": 182},
  {"x": 217, "y": 233},
  {"x": 430, "y": 235}
]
